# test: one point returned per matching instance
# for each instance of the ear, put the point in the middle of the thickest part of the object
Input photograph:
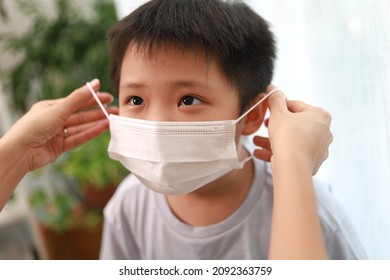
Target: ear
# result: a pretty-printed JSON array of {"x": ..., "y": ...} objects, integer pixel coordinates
[{"x": 255, "y": 118}]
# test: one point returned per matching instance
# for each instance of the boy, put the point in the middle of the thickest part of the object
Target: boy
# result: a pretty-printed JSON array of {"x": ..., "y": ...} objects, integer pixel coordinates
[{"x": 186, "y": 66}]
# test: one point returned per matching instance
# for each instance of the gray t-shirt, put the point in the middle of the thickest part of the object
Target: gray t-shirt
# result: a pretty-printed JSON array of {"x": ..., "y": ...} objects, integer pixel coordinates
[{"x": 138, "y": 224}]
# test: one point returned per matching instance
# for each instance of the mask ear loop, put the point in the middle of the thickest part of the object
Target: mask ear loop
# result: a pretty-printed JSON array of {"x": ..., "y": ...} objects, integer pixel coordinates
[
  {"x": 250, "y": 110},
  {"x": 257, "y": 104},
  {"x": 97, "y": 100}
]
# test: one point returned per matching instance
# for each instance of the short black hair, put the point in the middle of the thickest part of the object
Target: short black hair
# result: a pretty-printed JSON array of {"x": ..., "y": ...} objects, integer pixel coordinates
[{"x": 231, "y": 33}]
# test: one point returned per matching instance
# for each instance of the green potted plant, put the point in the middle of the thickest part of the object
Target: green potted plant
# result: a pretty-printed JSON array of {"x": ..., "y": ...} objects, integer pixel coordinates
[{"x": 59, "y": 54}]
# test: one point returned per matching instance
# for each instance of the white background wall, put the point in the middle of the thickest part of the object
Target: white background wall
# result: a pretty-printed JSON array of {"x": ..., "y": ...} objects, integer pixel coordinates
[{"x": 336, "y": 55}]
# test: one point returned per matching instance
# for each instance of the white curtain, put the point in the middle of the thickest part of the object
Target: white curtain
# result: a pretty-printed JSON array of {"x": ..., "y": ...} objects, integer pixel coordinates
[{"x": 336, "y": 54}]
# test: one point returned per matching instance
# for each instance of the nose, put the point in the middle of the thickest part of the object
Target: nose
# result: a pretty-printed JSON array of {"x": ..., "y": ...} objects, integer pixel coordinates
[{"x": 159, "y": 112}]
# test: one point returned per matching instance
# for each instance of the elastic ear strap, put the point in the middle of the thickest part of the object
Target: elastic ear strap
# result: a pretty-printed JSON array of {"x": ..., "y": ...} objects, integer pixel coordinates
[
  {"x": 97, "y": 100},
  {"x": 257, "y": 104}
]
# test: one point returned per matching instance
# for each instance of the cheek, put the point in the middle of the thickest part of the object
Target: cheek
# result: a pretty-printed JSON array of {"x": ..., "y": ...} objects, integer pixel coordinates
[
  {"x": 120, "y": 104},
  {"x": 121, "y": 111}
]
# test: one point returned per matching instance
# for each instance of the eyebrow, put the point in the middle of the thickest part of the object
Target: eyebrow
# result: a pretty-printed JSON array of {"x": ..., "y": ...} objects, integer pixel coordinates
[
  {"x": 191, "y": 83},
  {"x": 176, "y": 83}
]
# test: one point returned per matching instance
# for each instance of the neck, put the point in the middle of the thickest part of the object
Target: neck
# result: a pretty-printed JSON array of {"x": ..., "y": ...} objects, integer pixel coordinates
[{"x": 217, "y": 200}]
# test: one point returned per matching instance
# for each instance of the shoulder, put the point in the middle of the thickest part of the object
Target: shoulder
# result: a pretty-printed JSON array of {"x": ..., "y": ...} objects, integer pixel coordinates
[
  {"x": 330, "y": 209},
  {"x": 127, "y": 190},
  {"x": 339, "y": 233}
]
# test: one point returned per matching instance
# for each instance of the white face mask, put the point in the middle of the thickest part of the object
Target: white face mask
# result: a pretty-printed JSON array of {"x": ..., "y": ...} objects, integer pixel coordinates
[{"x": 175, "y": 158}]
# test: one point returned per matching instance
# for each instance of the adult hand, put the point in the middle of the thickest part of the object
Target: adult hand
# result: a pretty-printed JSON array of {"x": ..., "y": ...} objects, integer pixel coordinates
[
  {"x": 52, "y": 127},
  {"x": 296, "y": 130}
]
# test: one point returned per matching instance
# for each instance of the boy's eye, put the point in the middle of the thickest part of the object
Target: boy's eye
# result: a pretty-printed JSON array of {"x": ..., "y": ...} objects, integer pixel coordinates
[
  {"x": 189, "y": 100},
  {"x": 136, "y": 101}
]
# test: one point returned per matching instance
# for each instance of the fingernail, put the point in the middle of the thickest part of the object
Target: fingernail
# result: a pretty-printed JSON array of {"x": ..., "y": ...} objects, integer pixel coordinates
[{"x": 94, "y": 83}]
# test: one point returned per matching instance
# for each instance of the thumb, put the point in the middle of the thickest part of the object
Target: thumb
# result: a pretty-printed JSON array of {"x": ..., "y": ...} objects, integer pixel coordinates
[
  {"x": 295, "y": 106},
  {"x": 277, "y": 102},
  {"x": 77, "y": 98}
]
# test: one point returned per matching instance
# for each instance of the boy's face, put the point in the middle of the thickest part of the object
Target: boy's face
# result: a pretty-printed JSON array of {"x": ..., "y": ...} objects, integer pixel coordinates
[{"x": 175, "y": 85}]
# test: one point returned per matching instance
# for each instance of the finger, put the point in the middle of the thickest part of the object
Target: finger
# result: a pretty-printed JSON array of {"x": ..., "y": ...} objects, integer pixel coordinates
[
  {"x": 264, "y": 155},
  {"x": 296, "y": 106},
  {"x": 44, "y": 103},
  {"x": 76, "y": 129},
  {"x": 262, "y": 142},
  {"x": 77, "y": 99},
  {"x": 89, "y": 116},
  {"x": 74, "y": 141},
  {"x": 105, "y": 98},
  {"x": 271, "y": 88},
  {"x": 277, "y": 102}
]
